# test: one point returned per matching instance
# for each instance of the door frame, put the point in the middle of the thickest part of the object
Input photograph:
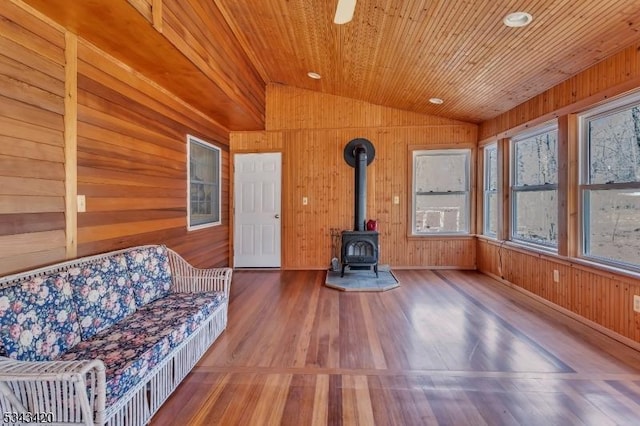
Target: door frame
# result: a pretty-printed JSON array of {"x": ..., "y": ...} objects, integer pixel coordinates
[{"x": 232, "y": 203}]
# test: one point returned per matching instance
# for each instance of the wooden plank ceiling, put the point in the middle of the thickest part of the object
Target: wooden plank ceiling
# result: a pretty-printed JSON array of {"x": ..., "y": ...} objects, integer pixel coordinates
[
  {"x": 218, "y": 55},
  {"x": 401, "y": 53}
]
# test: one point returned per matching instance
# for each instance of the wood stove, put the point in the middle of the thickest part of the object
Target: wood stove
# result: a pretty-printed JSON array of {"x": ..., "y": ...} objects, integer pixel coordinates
[{"x": 359, "y": 247}]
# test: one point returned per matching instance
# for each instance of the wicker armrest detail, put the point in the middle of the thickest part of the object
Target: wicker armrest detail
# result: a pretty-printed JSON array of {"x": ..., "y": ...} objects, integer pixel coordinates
[{"x": 187, "y": 279}]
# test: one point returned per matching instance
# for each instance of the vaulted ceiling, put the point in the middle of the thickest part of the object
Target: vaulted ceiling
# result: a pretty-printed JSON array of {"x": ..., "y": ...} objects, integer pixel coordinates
[
  {"x": 401, "y": 53},
  {"x": 219, "y": 55}
]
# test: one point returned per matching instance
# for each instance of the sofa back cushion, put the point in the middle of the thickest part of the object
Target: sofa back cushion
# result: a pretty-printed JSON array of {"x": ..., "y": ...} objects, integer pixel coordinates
[
  {"x": 38, "y": 321},
  {"x": 150, "y": 273},
  {"x": 102, "y": 293}
]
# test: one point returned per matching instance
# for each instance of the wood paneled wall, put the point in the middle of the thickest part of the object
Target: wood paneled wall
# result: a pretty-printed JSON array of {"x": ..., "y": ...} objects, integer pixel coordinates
[
  {"x": 601, "y": 296},
  {"x": 289, "y": 108},
  {"x": 32, "y": 159},
  {"x": 130, "y": 161},
  {"x": 311, "y": 130}
]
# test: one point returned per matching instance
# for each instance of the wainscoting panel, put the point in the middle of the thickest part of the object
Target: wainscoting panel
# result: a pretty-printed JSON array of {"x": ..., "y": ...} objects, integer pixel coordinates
[{"x": 604, "y": 298}]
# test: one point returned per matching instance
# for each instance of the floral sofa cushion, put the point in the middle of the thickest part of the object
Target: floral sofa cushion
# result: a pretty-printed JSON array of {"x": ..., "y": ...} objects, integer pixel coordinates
[
  {"x": 102, "y": 294},
  {"x": 140, "y": 342},
  {"x": 150, "y": 273},
  {"x": 38, "y": 321},
  {"x": 172, "y": 309}
]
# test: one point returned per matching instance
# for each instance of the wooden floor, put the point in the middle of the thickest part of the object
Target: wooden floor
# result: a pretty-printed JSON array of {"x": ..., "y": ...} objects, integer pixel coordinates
[{"x": 445, "y": 348}]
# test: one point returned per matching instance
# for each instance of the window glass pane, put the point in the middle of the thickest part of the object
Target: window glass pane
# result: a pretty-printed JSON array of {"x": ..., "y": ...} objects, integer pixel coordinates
[
  {"x": 491, "y": 214},
  {"x": 614, "y": 147},
  {"x": 491, "y": 164},
  {"x": 204, "y": 185},
  {"x": 441, "y": 213},
  {"x": 490, "y": 210},
  {"x": 535, "y": 160},
  {"x": 536, "y": 216},
  {"x": 440, "y": 172},
  {"x": 613, "y": 225}
]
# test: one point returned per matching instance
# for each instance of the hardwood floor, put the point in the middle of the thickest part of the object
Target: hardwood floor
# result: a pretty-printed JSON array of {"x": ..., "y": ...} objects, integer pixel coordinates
[{"x": 445, "y": 348}]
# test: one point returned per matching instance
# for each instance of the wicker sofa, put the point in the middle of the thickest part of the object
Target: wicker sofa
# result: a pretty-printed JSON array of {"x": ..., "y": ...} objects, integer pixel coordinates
[{"x": 105, "y": 339}]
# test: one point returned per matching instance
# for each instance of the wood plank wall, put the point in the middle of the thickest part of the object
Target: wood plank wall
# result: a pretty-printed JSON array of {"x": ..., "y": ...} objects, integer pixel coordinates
[
  {"x": 603, "y": 298},
  {"x": 311, "y": 130},
  {"x": 131, "y": 153},
  {"x": 599, "y": 295},
  {"x": 132, "y": 163},
  {"x": 32, "y": 174}
]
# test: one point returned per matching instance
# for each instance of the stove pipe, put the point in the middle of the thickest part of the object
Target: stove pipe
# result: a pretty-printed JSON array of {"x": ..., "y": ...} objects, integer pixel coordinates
[{"x": 360, "y": 190}]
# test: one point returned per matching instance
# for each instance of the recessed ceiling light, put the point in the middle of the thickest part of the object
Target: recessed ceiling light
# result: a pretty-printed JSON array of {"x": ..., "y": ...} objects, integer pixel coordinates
[
  {"x": 517, "y": 19},
  {"x": 436, "y": 101},
  {"x": 314, "y": 75}
]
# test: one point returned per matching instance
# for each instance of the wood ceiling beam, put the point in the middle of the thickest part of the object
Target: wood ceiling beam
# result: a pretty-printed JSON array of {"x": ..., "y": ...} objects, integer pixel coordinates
[{"x": 117, "y": 28}]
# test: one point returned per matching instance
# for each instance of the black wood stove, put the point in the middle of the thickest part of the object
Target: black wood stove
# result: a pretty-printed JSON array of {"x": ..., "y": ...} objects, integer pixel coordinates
[{"x": 359, "y": 247}]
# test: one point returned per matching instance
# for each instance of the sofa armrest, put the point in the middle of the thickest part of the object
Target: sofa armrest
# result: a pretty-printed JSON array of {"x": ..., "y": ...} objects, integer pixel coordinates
[
  {"x": 187, "y": 279},
  {"x": 73, "y": 390}
]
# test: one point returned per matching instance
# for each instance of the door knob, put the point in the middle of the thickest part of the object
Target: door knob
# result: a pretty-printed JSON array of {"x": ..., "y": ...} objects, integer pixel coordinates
[{"x": 277, "y": 216}]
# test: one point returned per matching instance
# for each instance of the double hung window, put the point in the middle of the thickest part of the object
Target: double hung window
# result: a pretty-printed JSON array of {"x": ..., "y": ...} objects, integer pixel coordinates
[
  {"x": 441, "y": 191},
  {"x": 610, "y": 183},
  {"x": 534, "y": 188},
  {"x": 203, "y": 190}
]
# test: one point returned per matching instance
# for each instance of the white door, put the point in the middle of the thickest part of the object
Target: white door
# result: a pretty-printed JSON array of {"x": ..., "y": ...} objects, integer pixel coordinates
[{"x": 257, "y": 183}]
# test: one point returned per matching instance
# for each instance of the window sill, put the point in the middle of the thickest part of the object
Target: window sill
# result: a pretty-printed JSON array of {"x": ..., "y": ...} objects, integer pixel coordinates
[
  {"x": 601, "y": 269},
  {"x": 592, "y": 264},
  {"x": 413, "y": 237}
]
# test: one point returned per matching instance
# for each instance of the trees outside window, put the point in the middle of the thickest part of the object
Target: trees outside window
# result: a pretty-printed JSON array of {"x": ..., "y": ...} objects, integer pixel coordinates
[
  {"x": 610, "y": 183},
  {"x": 490, "y": 200},
  {"x": 534, "y": 187}
]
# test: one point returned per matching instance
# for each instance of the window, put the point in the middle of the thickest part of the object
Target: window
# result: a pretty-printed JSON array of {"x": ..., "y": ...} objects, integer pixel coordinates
[
  {"x": 534, "y": 188},
  {"x": 441, "y": 195},
  {"x": 203, "y": 192},
  {"x": 490, "y": 226},
  {"x": 610, "y": 183}
]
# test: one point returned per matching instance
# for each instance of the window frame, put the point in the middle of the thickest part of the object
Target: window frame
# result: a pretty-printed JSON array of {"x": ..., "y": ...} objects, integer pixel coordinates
[
  {"x": 216, "y": 201},
  {"x": 486, "y": 220},
  {"x": 515, "y": 189},
  {"x": 442, "y": 150},
  {"x": 584, "y": 185}
]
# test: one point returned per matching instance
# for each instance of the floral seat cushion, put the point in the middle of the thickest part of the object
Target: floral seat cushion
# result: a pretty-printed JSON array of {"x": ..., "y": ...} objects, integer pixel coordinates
[
  {"x": 150, "y": 273},
  {"x": 37, "y": 319},
  {"x": 103, "y": 294},
  {"x": 130, "y": 348}
]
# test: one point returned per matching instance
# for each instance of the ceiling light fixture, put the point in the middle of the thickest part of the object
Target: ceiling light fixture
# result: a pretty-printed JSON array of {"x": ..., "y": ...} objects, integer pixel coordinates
[
  {"x": 517, "y": 19},
  {"x": 314, "y": 75},
  {"x": 436, "y": 101},
  {"x": 344, "y": 11}
]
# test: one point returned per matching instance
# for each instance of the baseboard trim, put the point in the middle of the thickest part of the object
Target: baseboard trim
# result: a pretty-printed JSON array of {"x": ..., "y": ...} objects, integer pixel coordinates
[{"x": 585, "y": 321}]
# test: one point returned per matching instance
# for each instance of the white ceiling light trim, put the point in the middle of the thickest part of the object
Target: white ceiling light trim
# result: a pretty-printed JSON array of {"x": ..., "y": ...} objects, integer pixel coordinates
[
  {"x": 436, "y": 101},
  {"x": 314, "y": 75},
  {"x": 517, "y": 19},
  {"x": 344, "y": 11}
]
